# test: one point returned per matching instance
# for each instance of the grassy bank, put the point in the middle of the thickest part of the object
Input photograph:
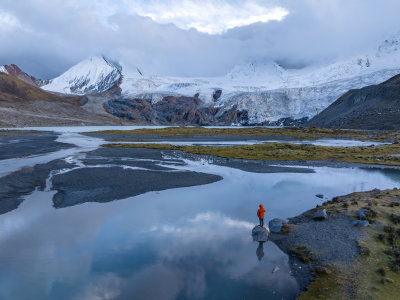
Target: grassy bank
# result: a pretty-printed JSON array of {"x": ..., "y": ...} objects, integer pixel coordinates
[
  {"x": 381, "y": 155},
  {"x": 291, "y": 132},
  {"x": 376, "y": 272}
]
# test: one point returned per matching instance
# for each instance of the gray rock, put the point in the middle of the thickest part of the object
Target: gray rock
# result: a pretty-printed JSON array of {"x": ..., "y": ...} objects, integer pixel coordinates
[
  {"x": 320, "y": 215},
  {"x": 361, "y": 214},
  {"x": 276, "y": 269},
  {"x": 361, "y": 223},
  {"x": 260, "y": 234},
  {"x": 275, "y": 225},
  {"x": 319, "y": 196}
]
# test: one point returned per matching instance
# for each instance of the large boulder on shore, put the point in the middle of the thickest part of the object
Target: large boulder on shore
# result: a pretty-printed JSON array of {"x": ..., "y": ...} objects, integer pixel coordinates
[
  {"x": 320, "y": 215},
  {"x": 260, "y": 234},
  {"x": 275, "y": 225}
]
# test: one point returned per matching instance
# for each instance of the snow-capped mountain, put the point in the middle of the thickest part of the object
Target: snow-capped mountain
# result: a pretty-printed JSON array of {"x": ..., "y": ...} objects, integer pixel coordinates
[
  {"x": 269, "y": 92},
  {"x": 265, "y": 90},
  {"x": 93, "y": 75}
]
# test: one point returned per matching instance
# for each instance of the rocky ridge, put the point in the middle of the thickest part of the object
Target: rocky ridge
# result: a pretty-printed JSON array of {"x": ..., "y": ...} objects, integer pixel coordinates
[
  {"x": 15, "y": 71},
  {"x": 372, "y": 107}
]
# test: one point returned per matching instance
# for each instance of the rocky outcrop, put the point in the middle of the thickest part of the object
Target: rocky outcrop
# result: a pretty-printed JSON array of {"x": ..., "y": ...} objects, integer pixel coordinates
[
  {"x": 217, "y": 94},
  {"x": 173, "y": 110},
  {"x": 372, "y": 107}
]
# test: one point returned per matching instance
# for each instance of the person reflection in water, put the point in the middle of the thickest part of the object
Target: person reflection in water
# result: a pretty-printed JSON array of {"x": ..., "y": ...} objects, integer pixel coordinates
[
  {"x": 260, "y": 214},
  {"x": 260, "y": 251}
]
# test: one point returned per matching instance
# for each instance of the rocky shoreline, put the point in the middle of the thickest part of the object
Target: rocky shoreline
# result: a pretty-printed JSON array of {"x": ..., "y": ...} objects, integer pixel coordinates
[
  {"x": 335, "y": 257},
  {"x": 326, "y": 242}
]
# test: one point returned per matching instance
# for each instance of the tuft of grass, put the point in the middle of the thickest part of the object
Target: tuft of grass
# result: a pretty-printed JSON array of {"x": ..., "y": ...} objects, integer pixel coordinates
[
  {"x": 363, "y": 247},
  {"x": 303, "y": 253},
  {"x": 286, "y": 228},
  {"x": 337, "y": 282}
]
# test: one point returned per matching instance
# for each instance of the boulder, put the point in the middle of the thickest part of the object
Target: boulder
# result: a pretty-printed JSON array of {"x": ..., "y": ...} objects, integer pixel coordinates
[
  {"x": 275, "y": 225},
  {"x": 319, "y": 196},
  {"x": 320, "y": 215},
  {"x": 260, "y": 234}
]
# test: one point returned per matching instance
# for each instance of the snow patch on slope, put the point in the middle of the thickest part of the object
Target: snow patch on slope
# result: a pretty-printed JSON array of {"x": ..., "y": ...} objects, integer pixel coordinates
[{"x": 3, "y": 69}]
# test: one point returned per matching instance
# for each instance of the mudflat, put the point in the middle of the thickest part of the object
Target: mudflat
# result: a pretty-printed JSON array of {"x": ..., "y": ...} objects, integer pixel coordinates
[{"x": 17, "y": 144}]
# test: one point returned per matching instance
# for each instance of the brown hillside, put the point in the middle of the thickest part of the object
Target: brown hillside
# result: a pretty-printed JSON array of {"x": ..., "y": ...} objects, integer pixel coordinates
[{"x": 14, "y": 89}]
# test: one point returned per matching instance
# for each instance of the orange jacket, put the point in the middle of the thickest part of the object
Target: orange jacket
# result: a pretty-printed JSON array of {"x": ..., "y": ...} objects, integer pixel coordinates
[{"x": 260, "y": 212}]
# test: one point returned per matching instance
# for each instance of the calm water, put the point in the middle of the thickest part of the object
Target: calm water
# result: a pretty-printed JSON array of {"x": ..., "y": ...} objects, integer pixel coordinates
[{"x": 186, "y": 243}]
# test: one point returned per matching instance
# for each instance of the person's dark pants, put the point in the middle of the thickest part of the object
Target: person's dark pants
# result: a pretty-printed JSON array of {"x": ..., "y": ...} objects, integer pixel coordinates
[{"x": 261, "y": 222}]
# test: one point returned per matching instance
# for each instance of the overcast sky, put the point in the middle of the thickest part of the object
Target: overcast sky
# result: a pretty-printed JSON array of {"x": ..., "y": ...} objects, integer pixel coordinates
[{"x": 188, "y": 37}]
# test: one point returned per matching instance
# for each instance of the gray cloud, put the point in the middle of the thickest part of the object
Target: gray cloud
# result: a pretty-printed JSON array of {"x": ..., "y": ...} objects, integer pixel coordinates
[{"x": 46, "y": 37}]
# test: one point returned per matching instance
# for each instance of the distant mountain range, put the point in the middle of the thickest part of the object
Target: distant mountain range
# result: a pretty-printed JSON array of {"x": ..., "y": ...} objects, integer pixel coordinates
[{"x": 257, "y": 93}]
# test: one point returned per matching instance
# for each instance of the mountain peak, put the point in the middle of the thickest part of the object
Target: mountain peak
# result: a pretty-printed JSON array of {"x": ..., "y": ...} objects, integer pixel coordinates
[{"x": 93, "y": 75}]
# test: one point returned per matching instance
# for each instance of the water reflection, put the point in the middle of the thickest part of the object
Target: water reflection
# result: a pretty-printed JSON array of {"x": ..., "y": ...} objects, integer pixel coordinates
[
  {"x": 97, "y": 251},
  {"x": 260, "y": 251},
  {"x": 187, "y": 243}
]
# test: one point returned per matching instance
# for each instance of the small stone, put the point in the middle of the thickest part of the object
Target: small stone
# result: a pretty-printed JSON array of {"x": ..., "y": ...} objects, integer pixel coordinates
[
  {"x": 364, "y": 223},
  {"x": 275, "y": 225},
  {"x": 361, "y": 214},
  {"x": 320, "y": 215},
  {"x": 276, "y": 269},
  {"x": 319, "y": 196}
]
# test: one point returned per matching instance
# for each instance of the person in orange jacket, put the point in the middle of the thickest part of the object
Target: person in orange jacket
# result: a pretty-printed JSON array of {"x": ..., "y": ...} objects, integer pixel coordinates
[{"x": 260, "y": 214}]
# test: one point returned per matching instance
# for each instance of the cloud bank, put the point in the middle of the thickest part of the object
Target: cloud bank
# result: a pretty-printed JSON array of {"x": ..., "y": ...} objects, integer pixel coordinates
[{"x": 188, "y": 37}]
